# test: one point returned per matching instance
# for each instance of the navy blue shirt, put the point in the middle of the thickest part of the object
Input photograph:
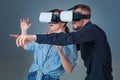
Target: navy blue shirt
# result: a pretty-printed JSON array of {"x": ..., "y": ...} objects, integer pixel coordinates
[{"x": 95, "y": 50}]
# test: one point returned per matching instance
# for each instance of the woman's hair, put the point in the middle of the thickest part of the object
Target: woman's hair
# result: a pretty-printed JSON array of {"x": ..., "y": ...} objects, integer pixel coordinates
[
  {"x": 66, "y": 28},
  {"x": 59, "y": 11}
]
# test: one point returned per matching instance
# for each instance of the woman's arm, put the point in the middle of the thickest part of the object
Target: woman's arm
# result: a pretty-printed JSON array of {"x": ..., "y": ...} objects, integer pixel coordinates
[
  {"x": 24, "y": 26},
  {"x": 66, "y": 64}
]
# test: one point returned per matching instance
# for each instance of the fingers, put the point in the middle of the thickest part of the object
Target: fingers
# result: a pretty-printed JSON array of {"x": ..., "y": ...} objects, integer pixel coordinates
[
  {"x": 17, "y": 41},
  {"x": 20, "y": 40},
  {"x": 25, "y": 23},
  {"x": 23, "y": 40},
  {"x": 49, "y": 32},
  {"x": 30, "y": 24},
  {"x": 22, "y": 20},
  {"x": 17, "y": 44},
  {"x": 14, "y": 35},
  {"x": 26, "y": 20},
  {"x": 58, "y": 47}
]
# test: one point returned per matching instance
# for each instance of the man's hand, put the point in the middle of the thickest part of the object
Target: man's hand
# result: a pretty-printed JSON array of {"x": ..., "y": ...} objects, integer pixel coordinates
[{"x": 22, "y": 39}]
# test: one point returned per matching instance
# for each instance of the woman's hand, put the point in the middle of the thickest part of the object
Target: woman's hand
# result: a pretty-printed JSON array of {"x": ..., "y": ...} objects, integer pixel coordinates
[{"x": 25, "y": 25}]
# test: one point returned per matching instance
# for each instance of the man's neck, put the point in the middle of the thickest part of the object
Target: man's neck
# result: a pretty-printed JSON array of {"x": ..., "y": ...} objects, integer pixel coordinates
[{"x": 85, "y": 22}]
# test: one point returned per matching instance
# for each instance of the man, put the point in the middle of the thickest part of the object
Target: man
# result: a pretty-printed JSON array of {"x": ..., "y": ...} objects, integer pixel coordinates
[{"x": 91, "y": 40}]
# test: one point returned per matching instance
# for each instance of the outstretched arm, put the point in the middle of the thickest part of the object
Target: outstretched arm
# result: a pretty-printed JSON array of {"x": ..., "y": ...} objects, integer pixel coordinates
[{"x": 78, "y": 37}]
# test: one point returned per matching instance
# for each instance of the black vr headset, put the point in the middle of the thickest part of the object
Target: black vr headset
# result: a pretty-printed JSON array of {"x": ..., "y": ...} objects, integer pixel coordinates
[
  {"x": 68, "y": 16},
  {"x": 49, "y": 17}
]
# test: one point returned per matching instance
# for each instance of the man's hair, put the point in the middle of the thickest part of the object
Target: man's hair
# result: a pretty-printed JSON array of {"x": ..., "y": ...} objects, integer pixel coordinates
[{"x": 83, "y": 7}]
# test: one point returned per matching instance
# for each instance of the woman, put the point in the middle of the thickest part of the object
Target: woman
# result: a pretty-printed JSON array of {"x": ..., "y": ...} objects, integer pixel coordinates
[{"x": 50, "y": 61}]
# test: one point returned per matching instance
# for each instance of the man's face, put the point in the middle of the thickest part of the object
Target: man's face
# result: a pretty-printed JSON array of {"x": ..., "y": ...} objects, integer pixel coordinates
[{"x": 76, "y": 25}]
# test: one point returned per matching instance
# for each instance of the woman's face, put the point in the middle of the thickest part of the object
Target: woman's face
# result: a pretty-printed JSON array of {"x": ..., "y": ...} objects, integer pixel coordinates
[{"x": 56, "y": 27}]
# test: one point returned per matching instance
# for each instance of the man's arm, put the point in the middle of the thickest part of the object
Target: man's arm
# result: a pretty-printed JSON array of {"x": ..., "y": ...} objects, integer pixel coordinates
[
  {"x": 51, "y": 39},
  {"x": 57, "y": 38},
  {"x": 78, "y": 37},
  {"x": 65, "y": 38}
]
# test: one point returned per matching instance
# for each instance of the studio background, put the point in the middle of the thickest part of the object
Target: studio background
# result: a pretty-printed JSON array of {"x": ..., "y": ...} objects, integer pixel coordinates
[{"x": 15, "y": 62}]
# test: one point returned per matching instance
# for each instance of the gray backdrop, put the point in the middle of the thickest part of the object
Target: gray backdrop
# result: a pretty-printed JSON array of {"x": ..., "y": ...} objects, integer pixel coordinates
[{"x": 15, "y": 62}]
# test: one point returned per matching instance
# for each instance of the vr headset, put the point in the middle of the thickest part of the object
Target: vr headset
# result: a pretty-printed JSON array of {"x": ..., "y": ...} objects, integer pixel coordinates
[
  {"x": 49, "y": 17},
  {"x": 68, "y": 16},
  {"x": 65, "y": 16}
]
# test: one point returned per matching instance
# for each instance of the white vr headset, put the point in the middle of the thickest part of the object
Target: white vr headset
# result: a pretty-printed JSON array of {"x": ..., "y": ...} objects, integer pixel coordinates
[
  {"x": 65, "y": 16},
  {"x": 68, "y": 16},
  {"x": 48, "y": 17}
]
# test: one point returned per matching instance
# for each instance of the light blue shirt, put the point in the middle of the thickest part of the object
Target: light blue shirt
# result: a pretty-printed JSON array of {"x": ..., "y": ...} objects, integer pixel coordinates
[{"x": 47, "y": 60}]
